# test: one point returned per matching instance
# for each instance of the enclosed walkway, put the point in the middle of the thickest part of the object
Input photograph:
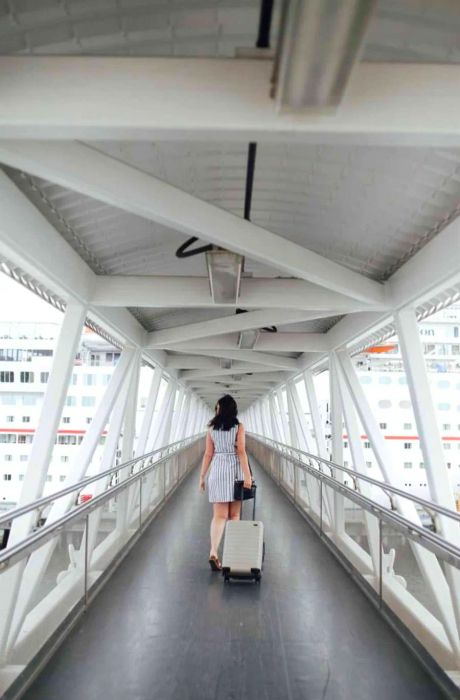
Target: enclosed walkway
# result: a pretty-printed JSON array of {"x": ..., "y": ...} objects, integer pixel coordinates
[{"x": 165, "y": 627}]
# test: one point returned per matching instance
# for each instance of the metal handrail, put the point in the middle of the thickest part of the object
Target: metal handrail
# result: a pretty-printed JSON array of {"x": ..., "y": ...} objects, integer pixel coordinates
[
  {"x": 430, "y": 540},
  {"x": 427, "y": 505},
  {"x": 12, "y": 554},
  {"x": 7, "y": 519}
]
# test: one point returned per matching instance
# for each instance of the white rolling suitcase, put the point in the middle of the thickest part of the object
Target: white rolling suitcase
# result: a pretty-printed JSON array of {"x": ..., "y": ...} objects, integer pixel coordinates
[{"x": 244, "y": 549}]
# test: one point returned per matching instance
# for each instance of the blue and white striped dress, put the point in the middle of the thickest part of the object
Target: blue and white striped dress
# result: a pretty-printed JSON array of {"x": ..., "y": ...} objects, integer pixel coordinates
[{"x": 225, "y": 466}]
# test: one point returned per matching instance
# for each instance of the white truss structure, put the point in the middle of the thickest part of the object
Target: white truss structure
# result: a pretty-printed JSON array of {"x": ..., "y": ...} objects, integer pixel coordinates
[{"x": 108, "y": 171}]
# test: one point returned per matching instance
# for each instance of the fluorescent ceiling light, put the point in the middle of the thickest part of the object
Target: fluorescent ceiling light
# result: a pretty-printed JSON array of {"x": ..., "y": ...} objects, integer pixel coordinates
[
  {"x": 321, "y": 40},
  {"x": 247, "y": 339},
  {"x": 224, "y": 270}
]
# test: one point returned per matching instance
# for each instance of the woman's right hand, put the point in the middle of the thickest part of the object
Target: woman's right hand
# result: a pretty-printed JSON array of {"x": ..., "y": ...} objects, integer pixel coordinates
[
  {"x": 247, "y": 482},
  {"x": 202, "y": 485}
]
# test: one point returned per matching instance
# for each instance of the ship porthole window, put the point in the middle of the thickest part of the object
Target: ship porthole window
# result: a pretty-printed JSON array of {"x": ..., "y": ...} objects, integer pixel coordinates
[
  {"x": 444, "y": 406},
  {"x": 385, "y": 403},
  {"x": 404, "y": 404}
]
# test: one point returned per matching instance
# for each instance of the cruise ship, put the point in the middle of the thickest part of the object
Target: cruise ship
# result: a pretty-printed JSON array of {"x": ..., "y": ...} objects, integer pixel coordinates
[
  {"x": 25, "y": 357},
  {"x": 382, "y": 376},
  {"x": 26, "y": 351}
]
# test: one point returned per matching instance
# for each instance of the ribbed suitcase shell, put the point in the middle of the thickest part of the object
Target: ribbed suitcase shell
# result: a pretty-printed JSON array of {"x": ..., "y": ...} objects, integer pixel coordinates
[{"x": 243, "y": 548}]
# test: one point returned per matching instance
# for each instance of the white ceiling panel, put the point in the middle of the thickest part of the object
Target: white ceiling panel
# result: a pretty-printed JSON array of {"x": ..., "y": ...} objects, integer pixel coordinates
[{"x": 401, "y": 30}]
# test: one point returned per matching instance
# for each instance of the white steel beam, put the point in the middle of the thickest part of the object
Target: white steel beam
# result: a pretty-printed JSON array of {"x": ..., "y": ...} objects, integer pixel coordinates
[
  {"x": 283, "y": 341},
  {"x": 336, "y": 428},
  {"x": 40, "y": 454},
  {"x": 424, "y": 412},
  {"x": 385, "y": 103},
  {"x": 178, "y": 413},
  {"x": 430, "y": 439},
  {"x": 166, "y": 437},
  {"x": 193, "y": 292},
  {"x": 292, "y": 342},
  {"x": 39, "y": 559},
  {"x": 299, "y": 437},
  {"x": 97, "y": 175},
  {"x": 282, "y": 412},
  {"x": 411, "y": 284},
  {"x": 428, "y": 563},
  {"x": 276, "y": 427},
  {"x": 127, "y": 445},
  {"x": 431, "y": 270},
  {"x": 358, "y": 464},
  {"x": 262, "y": 358},
  {"x": 146, "y": 426},
  {"x": 315, "y": 415},
  {"x": 107, "y": 461},
  {"x": 29, "y": 241},
  {"x": 226, "y": 341},
  {"x": 193, "y": 362},
  {"x": 238, "y": 368},
  {"x": 226, "y": 324},
  {"x": 180, "y": 434}
]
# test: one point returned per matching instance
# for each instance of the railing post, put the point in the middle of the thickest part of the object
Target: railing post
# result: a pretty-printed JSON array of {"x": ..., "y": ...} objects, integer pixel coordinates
[
  {"x": 140, "y": 501},
  {"x": 320, "y": 507},
  {"x": 86, "y": 561},
  {"x": 380, "y": 563}
]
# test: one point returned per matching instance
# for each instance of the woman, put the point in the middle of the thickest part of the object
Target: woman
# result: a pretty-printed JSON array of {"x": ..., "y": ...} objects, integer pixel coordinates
[{"x": 225, "y": 455}]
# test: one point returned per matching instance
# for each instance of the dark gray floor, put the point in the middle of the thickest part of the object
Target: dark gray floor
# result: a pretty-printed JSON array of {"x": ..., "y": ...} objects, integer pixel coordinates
[{"x": 166, "y": 628}]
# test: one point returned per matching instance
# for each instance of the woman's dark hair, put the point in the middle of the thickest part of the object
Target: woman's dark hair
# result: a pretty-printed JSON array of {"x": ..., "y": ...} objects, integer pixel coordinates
[{"x": 226, "y": 417}]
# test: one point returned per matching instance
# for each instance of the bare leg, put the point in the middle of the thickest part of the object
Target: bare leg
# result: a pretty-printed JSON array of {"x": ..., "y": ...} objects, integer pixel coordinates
[
  {"x": 218, "y": 526},
  {"x": 234, "y": 510}
]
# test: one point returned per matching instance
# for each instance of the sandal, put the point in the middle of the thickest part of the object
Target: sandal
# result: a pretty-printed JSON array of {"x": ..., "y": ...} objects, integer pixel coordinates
[{"x": 214, "y": 563}]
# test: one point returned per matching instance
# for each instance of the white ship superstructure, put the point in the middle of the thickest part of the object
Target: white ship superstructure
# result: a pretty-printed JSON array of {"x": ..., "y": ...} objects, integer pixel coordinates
[
  {"x": 382, "y": 376},
  {"x": 26, "y": 350}
]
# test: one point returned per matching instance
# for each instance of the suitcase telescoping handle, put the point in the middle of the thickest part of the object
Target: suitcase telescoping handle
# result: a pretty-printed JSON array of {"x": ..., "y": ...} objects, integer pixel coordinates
[{"x": 253, "y": 506}]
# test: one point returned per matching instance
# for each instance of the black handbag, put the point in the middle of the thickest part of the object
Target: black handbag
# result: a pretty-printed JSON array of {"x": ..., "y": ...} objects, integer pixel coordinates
[
  {"x": 244, "y": 494},
  {"x": 240, "y": 493}
]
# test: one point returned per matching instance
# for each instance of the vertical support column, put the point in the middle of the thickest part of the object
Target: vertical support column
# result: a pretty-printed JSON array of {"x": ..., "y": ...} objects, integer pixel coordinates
[
  {"x": 250, "y": 420},
  {"x": 180, "y": 434},
  {"x": 40, "y": 455},
  {"x": 429, "y": 435},
  {"x": 424, "y": 412},
  {"x": 178, "y": 414},
  {"x": 39, "y": 560},
  {"x": 257, "y": 413},
  {"x": 277, "y": 418},
  {"x": 145, "y": 432},
  {"x": 129, "y": 431},
  {"x": 167, "y": 408},
  {"x": 275, "y": 433},
  {"x": 149, "y": 410},
  {"x": 315, "y": 415},
  {"x": 166, "y": 438},
  {"x": 282, "y": 411},
  {"x": 427, "y": 562},
  {"x": 191, "y": 416},
  {"x": 359, "y": 465},
  {"x": 264, "y": 419},
  {"x": 336, "y": 417},
  {"x": 293, "y": 436},
  {"x": 107, "y": 461},
  {"x": 303, "y": 434}
]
